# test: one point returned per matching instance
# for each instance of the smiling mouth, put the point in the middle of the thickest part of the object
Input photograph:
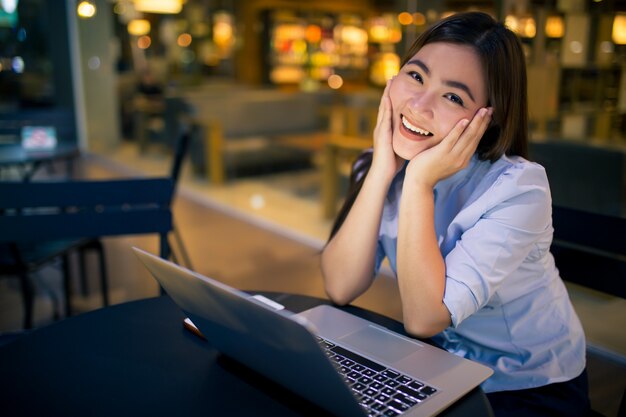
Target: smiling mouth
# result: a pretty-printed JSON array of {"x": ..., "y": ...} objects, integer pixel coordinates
[{"x": 414, "y": 129}]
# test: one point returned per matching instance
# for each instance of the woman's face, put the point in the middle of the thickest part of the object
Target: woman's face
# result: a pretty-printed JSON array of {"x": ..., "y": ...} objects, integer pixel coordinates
[{"x": 440, "y": 85}]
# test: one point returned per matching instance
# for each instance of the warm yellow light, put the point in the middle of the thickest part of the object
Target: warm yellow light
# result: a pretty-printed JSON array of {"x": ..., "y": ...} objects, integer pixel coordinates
[
  {"x": 512, "y": 23},
  {"x": 313, "y": 33},
  {"x": 184, "y": 40},
  {"x": 222, "y": 33},
  {"x": 419, "y": 19},
  {"x": 144, "y": 42},
  {"x": 352, "y": 34},
  {"x": 379, "y": 33},
  {"x": 86, "y": 9},
  {"x": 529, "y": 28},
  {"x": 299, "y": 46},
  {"x": 395, "y": 35},
  {"x": 554, "y": 27},
  {"x": 289, "y": 31},
  {"x": 619, "y": 29},
  {"x": 139, "y": 27},
  {"x": 405, "y": 18},
  {"x": 385, "y": 66},
  {"x": 523, "y": 26},
  {"x": 158, "y": 6},
  {"x": 335, "y": 81}
]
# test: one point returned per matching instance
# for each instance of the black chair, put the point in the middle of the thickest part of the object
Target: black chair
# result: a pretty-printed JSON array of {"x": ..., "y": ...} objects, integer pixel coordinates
[
  {"x": 181, "y": 147},
  {"x": 40, "y": 214},
  {"x": 590, "y": 249}
]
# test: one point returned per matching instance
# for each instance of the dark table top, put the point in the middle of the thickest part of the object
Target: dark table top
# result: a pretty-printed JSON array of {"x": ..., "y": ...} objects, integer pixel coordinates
[{"x": 137, "y": 359}]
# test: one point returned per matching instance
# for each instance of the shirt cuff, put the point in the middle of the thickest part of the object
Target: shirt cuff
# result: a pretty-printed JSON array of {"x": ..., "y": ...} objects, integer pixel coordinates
[{"x": 459, "y": 300}]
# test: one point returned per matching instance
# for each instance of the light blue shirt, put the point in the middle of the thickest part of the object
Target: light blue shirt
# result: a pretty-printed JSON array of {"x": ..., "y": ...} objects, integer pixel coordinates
[{"x": 509, "y": 308}]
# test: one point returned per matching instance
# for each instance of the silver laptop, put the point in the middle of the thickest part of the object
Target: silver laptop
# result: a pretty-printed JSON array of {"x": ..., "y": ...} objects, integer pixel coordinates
[{"x": 343, "y": 363}]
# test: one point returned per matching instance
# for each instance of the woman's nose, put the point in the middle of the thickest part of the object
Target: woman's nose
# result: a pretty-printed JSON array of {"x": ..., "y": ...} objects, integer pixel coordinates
[{"x": 422, "y": 104}]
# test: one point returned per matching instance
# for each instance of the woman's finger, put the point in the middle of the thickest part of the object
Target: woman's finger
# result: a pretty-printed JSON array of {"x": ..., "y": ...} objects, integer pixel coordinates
[
  {"x": 455, "y": 134},
  {"x": 471, "y": 135}
]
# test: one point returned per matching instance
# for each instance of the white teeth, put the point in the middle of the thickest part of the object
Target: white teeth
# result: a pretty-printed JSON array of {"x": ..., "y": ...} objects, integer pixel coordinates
[{"x": 415, "y": 129}]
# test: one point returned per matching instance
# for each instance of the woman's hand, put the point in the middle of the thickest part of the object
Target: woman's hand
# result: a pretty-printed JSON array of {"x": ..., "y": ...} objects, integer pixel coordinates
[
  {"x": 453, "y": 153},
  {"x": 385, "y": 162}
]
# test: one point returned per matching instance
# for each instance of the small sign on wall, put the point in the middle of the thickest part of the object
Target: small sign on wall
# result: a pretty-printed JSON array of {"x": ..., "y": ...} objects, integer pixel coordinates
[{"x": 39, "y": 137}]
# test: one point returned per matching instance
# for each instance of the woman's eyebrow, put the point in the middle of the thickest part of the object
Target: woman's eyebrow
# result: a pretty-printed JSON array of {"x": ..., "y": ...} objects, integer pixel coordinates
[
  {"x": 454, "y": 84},
  {"x": 461, "y": 86},
  {"x": 420, "y": 64}
]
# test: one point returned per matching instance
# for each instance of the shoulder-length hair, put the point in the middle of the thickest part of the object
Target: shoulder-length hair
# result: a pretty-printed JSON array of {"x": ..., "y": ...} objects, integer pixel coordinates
[{"x": 502, "y": 58}]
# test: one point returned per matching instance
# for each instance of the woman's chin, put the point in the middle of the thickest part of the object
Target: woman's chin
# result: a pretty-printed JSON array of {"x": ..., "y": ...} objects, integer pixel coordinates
[{"x": 406, "y": 150}]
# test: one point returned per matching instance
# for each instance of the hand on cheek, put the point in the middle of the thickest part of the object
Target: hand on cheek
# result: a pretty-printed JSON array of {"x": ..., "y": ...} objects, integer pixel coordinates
[
  {"x": 385, "y": 160},
  {"x": 453, "y": 153}
]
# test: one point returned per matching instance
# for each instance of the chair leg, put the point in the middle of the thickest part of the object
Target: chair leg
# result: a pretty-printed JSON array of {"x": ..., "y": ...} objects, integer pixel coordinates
[
  {"x": 28, "y": 298},
  {"x": 84, "y": 283},
  {"x": 165, "y": 250},
  {"x": 65, "y": 266},
  {"x": 103, "y": 272}
]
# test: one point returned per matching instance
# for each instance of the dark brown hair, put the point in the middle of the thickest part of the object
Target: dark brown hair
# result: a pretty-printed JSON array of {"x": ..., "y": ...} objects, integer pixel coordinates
[{"x": 502, "y": 58}]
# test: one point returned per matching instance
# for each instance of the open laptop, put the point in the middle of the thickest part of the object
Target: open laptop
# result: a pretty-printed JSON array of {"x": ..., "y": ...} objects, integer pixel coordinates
[{"x": 343, "y": 363}]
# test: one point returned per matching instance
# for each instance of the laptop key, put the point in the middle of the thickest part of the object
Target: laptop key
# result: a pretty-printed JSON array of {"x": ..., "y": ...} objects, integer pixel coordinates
[
  {"x": 338, "y": 358},
  {"x": 347, "y": 362},
  {"x": 378, "y": 406},
  {"x": 380, "y": 378},
  {"x": 403, "y": 379},
  {"x": 415, "y": 385},
  {"x": 390, "y": 413},
  {"x": 357, "y": 386},
  {"x": 390, "y": 374},
  {"x": 377, "y": 386},
  {"x": 397, "y": 405},
  {"x": 428, "y": 390},
  {"x": 392, "y": 383},
  {"x": 365, "y": 380},
  {"x": 382, "y": 398},
  {"x": 405, "y": 399},
  {"x": 366, "y": 401},
  {"x": 370, "y": 392},
  {"x": 411, "y": 392}
]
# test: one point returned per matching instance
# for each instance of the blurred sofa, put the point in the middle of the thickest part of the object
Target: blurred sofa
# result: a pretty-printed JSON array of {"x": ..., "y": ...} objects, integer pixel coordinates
[{"x": 242, "y": 131}]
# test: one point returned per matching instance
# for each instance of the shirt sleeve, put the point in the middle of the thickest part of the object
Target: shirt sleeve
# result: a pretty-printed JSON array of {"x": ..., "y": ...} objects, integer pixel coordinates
[{"x": 514, "y": 214}]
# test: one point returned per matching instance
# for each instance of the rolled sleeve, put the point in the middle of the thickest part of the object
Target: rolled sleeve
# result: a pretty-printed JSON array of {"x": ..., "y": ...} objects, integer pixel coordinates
[{"x": 498, "y": 232}]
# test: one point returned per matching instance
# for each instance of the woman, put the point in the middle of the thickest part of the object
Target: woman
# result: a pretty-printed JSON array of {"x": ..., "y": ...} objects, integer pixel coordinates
[{"x": 464, "y": 220}]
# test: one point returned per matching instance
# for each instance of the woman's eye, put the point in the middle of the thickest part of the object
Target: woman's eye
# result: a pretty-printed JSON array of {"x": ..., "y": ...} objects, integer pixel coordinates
[
  {"x": 416, "y": 75},
  {"x": 455, "y": 99}
]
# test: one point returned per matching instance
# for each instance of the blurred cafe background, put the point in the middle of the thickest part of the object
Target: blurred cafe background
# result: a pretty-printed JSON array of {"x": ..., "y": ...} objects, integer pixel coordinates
[{"x": 278, "y": 97}]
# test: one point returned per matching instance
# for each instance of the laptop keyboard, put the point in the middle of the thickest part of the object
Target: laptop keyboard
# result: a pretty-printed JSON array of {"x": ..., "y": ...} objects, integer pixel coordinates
[{"x": 380, "y": 391}]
